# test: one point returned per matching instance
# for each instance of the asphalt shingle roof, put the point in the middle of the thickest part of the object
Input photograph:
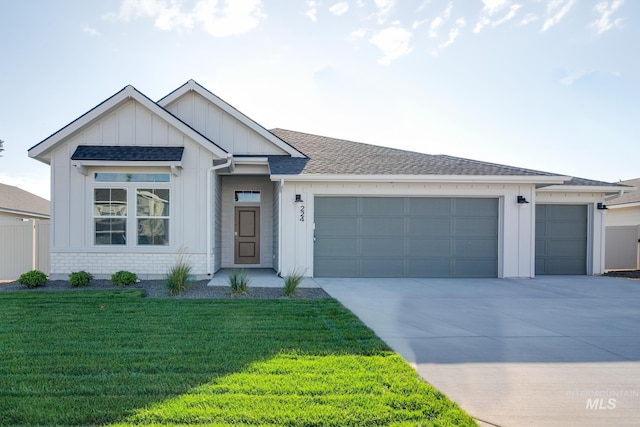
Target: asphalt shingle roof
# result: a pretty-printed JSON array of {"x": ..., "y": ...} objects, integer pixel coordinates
[
  {"x": 630, "y": 197},
  {"x": 18, "y": 200},
  {"x": 127, "y": 153}
]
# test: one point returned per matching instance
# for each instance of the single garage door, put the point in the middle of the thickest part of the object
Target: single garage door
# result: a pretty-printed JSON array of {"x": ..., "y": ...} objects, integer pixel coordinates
[
  {"x": 405, "y": 237},
  {"x": 561, "y": 239}
]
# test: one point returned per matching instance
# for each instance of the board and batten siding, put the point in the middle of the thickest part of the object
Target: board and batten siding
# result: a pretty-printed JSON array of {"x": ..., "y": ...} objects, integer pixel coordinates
[
  {"x": 515, "y": 222},
  {"x": 219, "y": 126},
  {"x": 72, "y": 229}
]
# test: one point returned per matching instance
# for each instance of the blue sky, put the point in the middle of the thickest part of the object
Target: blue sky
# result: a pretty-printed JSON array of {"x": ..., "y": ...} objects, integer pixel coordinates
[{"x": 552, "y": 85}]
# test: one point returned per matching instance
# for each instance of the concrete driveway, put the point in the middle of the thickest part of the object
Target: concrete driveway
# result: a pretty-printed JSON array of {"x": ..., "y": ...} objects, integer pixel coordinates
[{"x": 551, "y": 351}]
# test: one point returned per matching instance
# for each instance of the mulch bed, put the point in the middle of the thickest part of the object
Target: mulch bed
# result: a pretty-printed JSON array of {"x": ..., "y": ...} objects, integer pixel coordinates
[
  {"x": 629, "y": 274},
  {"x": 158, "y": 289}
]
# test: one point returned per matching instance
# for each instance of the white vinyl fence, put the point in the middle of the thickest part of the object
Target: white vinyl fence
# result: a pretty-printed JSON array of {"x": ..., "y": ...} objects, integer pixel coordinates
[
  {"x": 24, "y": 246},
  {"x": 621, "y": 251}
]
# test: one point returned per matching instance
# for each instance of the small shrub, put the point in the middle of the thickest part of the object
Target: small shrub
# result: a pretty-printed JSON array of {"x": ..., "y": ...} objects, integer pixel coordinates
[
  {"x": 179, "y": 277},
  {"x": 33, "y": 278},
  {"x": 239, "y": 282},
  {"x": 291, "y": 282},
  {"x": 124, "y": 278},
  {"x": 80, "y": 279}
]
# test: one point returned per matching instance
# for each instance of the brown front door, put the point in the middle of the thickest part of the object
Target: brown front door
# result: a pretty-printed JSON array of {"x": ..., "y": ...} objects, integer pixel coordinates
[{"x": 247, "y": 235}]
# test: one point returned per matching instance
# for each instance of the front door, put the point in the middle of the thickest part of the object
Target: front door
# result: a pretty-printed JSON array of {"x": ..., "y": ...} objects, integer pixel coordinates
[{"x": 247, "y": 235}]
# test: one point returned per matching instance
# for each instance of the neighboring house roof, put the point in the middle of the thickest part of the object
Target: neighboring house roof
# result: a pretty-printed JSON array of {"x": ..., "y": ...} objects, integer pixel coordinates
[
  {"x": 631, "y": 197},
  {"x": 41, "y": 150},
  {"x": 18, "y": 201},
  {"x": 127, "y": 153}
]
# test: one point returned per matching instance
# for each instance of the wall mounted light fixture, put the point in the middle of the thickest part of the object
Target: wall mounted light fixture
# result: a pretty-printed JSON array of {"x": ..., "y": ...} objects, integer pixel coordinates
[
  {"x": 298, "y": 198},
  {"x": 521, "y": 200},
  {"x": 602, "y": 207}
]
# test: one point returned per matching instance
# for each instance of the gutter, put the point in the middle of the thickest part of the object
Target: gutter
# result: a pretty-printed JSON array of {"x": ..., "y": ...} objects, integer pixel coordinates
[{"x": 210, "y": 211}]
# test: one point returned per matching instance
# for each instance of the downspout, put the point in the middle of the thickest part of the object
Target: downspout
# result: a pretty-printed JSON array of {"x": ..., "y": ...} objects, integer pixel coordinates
[
  {"x": 280, "y": 227},
  {"x": 210, "y": 213}
]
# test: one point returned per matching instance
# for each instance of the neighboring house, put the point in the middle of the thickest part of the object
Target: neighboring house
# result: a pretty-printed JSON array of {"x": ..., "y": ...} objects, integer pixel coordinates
[
  {"x": 17, "y": 204},
  {"x": 623, "y": 229},
  {"x": 134, "y": 182}
]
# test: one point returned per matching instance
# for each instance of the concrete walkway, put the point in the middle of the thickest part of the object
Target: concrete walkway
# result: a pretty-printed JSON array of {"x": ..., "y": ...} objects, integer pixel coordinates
[{"x": 551, "y": 351}]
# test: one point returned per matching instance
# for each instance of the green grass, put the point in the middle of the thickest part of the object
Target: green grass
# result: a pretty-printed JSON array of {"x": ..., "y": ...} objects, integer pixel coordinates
[{"x": 115, "y": 357}]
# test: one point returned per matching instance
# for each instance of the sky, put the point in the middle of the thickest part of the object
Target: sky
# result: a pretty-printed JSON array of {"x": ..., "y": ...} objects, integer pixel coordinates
[{"x": 550, "y": 85}]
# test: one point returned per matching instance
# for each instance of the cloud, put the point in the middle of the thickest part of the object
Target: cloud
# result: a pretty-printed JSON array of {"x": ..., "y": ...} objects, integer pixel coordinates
[
  {"x": 439, "y": 20},
  {"x": 529, "y": 18},
  {"x": 219, "y": 18},
  {"x": 312, "y": 12},
  {"x": 91, "y": 31},
  {"x": 383, "y": 6},
  {"x": 493, "y": 7},
  {"x": 393, "y": 42},
  {"x": 453, "y": 33},
  {"x": 605, "y": 10},
  {"x": 556, "y": 10},
  {"x": 339, "y": 8},
  {"x": 573, "y": 76}
]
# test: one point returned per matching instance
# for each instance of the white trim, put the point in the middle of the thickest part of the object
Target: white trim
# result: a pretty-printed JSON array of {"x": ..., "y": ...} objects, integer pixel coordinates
[
  {"x": 580, "y": 189},
  {"x": 25, "y": 213},
  {"x": 125, "y": 95},
  {"x": 472, "y": 179},
  {"x": 624, "y": 205},
  {"x": 83, "y": 165},
  {"x": 192, "y": 85}
]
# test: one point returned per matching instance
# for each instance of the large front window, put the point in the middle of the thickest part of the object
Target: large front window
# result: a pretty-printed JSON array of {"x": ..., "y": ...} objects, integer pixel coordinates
[{"x": 130, "y": 209}]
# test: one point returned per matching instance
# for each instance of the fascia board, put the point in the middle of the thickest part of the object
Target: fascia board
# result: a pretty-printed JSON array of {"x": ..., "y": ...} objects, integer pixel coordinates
[
  {"x": 475, "y": 179},
  {"x": 192, "y": 85},
  {"x": 26, "y": 213},
  {"x": 624, "y": 205},
  {"x": 579, "y": 189},
  {"x": 129, "y": 163},
  {"x": 128, "y": 93}
]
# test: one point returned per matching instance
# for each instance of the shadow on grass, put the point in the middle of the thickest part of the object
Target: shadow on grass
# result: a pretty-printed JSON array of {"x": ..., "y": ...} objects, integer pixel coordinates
[{"x": 99, "y": 357}]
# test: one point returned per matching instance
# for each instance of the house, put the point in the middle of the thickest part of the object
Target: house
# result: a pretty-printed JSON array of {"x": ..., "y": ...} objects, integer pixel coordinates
[
  {"x": 623, "y": 229},
  {"x": 18, "y": 204},
  {"x": 134, "y": 182}
]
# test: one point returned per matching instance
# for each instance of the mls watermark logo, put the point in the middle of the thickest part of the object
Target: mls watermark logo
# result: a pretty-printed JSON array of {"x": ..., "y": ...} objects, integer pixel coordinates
[{"x": 603, "y": 400}]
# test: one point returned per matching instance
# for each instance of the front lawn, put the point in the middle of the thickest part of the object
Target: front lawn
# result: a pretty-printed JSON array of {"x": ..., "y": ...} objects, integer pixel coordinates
[{"x": 115, "y": 357}]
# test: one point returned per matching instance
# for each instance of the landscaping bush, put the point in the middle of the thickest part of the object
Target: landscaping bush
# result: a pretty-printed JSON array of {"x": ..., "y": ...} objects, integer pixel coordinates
[
  {"x": 80, "y": 279},
  {"x": 179, "y": 277},
  {"x": 33, "y": 278},
  {"x": 291, "y": 282},
  {"x": 239, "y": 282},
  {"x": 124, "y": 278}
]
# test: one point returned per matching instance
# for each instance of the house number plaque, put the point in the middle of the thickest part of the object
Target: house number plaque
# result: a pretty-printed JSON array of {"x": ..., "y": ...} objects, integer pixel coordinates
[{"x": 301, "y": 217}]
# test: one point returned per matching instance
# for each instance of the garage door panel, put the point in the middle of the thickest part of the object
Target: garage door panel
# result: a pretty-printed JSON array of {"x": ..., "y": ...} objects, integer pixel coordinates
[
  {"x": 332, "y": 247},
  {"x": 382, "y": 206},
  {"x": 475, "y": 268},
  {"x": 383, "y": 247},
  {"x": 429, "y": 206},
  {"x": 565, "y": 266},
  {"x": 566, "y": 229},
  {"x": 476, "y": 227},
  {"x": 406, "y": 237},
  {"x": 476, "y": 248},
  {"x": 560, "y": 248},
  {"x": 332, "y": 206},
  {"x": 381, "y": 226},
  {"x": 429, "y": 267},
  {"x": 381, "y": 267},
  {"x": 429, "y": 226},
  {"x": 427, "y": 248}
]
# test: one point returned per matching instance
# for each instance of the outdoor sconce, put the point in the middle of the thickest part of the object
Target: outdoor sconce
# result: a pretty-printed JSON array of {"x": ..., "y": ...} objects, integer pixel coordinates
[
  {"x": 521, "y": 200},
  {"x": 602, "y": 207},
  {"x": 298, "y": 198}
]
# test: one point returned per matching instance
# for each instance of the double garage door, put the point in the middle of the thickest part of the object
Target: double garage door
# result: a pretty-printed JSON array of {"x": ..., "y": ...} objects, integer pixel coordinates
[
  {"x": 405, "y": 237},
  {"x": 436, "y": 237}
]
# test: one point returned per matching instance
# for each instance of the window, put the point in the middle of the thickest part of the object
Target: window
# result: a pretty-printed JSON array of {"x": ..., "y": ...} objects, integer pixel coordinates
[
  {"x": 248, "y": 196},
  {"x": 131, "y": 209},
  {"x": 152, "y": 212},
  {"x": 110, "y": 216}
]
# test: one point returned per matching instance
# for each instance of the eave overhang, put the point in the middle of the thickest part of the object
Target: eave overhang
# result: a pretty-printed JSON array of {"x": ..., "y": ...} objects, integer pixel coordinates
[{"x": 466, "y": 179}]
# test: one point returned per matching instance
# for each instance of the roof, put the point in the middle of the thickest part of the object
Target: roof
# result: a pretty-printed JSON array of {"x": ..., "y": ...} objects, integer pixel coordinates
[
  {"x": 632, "y": 196},
  {"x": 41, "y": 150},
  {"x": 127, "y": 153},
  {"x": 19, "y": 201},
  {"x": 342, "y": 157}
]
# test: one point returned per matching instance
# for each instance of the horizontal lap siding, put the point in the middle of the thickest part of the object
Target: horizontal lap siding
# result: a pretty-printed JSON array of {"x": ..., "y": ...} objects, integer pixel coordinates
[{"x": 405, "y": 237}]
